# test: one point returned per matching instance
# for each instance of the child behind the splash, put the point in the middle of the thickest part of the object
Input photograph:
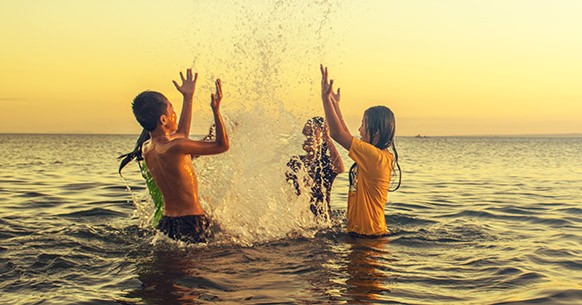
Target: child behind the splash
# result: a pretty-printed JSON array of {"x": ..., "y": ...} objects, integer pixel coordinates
[{"x": 322, "y": 163}]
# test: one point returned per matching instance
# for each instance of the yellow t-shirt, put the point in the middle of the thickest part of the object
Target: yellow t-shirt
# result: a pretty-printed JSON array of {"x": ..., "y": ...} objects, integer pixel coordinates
[{"x": 369, "y": 190}]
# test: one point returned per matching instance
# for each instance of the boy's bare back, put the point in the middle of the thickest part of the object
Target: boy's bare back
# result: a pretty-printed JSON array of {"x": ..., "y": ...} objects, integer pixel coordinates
[
  {"x": 168, "y": 152},
  {"x": 175, "y": 177}
]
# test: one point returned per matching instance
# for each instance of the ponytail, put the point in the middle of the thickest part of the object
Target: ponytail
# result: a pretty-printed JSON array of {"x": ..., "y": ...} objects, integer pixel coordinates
[{"x": 136, "y": 153}]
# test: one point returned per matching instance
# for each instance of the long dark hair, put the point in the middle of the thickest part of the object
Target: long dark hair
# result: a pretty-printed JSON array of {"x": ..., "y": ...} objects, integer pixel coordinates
[
  {"x": 136, "y": 153},
  {"x": 380, "y": 122}
]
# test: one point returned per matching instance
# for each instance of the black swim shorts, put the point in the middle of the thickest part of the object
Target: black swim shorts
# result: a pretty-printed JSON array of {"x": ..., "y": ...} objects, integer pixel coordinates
[{"x": 192, "y": 228}]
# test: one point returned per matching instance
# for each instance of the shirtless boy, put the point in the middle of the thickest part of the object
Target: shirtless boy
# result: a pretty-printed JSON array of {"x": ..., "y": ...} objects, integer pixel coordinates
[{"x": 168, "y": 152}]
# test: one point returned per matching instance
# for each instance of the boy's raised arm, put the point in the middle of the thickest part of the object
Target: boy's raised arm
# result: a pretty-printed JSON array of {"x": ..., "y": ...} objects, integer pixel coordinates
[
  {"x": 221, "y": 144},
  {"x": 187, "y": 90},
  {"x": 221, "y": 136}
]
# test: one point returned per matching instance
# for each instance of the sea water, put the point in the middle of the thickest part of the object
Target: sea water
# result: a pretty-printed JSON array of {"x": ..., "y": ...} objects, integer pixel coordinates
[{"x": 478, "y": 220}]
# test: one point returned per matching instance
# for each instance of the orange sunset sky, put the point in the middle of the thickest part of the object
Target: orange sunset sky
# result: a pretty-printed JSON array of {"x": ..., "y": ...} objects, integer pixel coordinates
[{"x": 450, "y": 67}]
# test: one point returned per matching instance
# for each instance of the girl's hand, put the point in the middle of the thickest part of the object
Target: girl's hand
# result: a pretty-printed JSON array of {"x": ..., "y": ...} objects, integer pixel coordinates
[
  {"x": 188, "y": 83},
  {"x": 327, "y": 94}
]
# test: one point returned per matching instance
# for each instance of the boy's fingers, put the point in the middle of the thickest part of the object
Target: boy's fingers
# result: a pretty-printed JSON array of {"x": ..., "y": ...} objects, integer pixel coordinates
[
  {"x": 182, "y": 76},
  {"x": 195, "y": 76},
  {"x": 189, "y": 74},
  {"x": 176, "y": 84},
  {"x": 219, "y": 87},
  {"x": 338, "y": 91}
]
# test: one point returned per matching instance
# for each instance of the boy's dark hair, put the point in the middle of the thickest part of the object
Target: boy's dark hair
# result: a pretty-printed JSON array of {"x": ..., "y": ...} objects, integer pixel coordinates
[{"x": 147, "y": 107}]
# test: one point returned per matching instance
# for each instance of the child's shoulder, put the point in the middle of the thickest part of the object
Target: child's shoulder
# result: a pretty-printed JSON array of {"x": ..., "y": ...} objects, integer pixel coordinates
[{"x": 146, "y": 147}]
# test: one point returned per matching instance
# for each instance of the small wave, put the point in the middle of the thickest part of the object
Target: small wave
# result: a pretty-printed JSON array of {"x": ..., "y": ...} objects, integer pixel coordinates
[
  {"x": 554, "y": 297},
  {"x": 31, "y": 194},
  {"x": 411, "y": 206},
  {"x": 402, "y": 220},
  {"x": 443, "y": 235},
  {"x": 424, "y": 241},
  {"x": 94, "y": 212},
  {"x": 575, "y": 211},
  {"x": 521, "y": 280},
  {"x": 518, "y": 210},
  {"x": 120, "y": 187},
  {"x": 80, "y": 186}
]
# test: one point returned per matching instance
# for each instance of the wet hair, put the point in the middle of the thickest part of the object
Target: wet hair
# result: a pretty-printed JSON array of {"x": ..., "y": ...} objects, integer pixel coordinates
[
  {"x": 147, "y": 107},
  {"x": 136, "y": 153},
  {"x": 381, "y": 124},
  {"x": 318, "y": 122}
]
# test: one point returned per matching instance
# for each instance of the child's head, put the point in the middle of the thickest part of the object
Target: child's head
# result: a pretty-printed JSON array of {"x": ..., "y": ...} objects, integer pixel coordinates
[
  {"x": 378, "y": 127},
  {"x": 152, "y": 109},
  {"x": 313, "y": 132}
]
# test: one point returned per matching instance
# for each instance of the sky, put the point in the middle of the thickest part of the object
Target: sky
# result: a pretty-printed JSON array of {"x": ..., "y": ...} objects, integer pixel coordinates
[{"x": 449, "y": 67}]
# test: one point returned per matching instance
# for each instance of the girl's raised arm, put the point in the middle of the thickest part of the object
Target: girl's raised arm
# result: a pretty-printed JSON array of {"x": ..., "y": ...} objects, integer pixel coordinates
[{"x": 337, "y": 127}]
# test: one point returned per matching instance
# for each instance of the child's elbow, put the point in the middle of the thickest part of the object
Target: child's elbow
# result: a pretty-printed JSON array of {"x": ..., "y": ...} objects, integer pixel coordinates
[{"x": 223, "y": 147}]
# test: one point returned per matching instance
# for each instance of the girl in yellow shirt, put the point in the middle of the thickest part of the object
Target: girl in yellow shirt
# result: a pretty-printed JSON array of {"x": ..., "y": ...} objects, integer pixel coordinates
[{"x": 374, "y": 164}]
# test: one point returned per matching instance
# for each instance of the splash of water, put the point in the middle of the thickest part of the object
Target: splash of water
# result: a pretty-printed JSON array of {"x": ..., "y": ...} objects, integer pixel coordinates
[{"x": 274, "y": 49}]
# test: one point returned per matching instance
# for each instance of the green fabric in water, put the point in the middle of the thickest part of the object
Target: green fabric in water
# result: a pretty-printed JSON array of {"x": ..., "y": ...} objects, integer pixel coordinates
[{"x": 155, "y": 193}]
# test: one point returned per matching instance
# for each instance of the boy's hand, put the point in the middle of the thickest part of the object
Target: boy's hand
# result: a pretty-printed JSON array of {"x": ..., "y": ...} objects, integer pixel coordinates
[
  {"x": 327, "y": 93},
  {"x": 188, "y": 84},
  {"x": 215, "y": 98}
]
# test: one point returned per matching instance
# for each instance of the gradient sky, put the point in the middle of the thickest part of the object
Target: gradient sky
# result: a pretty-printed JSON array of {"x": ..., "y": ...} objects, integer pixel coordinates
[{"x": 449, "y": 67}]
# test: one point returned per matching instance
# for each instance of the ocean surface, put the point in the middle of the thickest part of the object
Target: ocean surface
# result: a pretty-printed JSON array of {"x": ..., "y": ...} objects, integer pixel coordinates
[{"x": 478, "y": 220}]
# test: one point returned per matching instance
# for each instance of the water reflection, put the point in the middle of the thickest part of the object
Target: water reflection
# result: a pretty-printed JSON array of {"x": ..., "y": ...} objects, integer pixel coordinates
[
  {"x": 172, "y": 277},
  {"x": 366, "y": 265},
  {"x": 330, "y": 268}
]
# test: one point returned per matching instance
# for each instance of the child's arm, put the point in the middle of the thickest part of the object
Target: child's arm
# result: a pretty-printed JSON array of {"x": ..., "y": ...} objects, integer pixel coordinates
[
  {"x": 337, "y": 127},
  {"x": 221, "y": 144},
  {"x": 335, "y": 102},
  {"x": 187, "y": 90},
  {"x": 336, "y": 160},
  {"x": 221, "y": 136}
]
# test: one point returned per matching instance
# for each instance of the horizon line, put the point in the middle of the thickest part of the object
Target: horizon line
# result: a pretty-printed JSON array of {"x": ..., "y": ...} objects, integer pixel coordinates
[{"x": 570, "y": 134}]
